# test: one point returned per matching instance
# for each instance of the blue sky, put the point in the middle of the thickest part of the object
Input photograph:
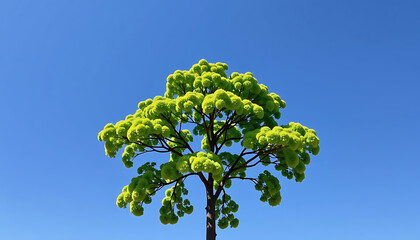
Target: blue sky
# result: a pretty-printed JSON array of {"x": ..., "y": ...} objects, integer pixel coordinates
[{"x": 349, "y": 69}]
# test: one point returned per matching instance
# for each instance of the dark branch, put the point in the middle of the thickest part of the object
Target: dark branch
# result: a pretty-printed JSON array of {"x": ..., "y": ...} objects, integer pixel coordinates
[
  {"x": 179, "y": 135},
  {"x": 254, "y": 180},
  {"x": 260, "y": 152}
]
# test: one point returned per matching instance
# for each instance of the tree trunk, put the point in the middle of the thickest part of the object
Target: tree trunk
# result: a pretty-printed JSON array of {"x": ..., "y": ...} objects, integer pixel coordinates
[{"x": 211, "y": 218}]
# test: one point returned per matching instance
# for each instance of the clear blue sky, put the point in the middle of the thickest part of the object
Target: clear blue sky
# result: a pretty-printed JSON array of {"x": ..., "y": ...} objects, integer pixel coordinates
[{"x": 349, "y": 69}]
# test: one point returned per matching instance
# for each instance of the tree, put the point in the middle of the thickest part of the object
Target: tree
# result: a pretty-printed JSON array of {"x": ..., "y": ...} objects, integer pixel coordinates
[{"x": 222, "y": 110}]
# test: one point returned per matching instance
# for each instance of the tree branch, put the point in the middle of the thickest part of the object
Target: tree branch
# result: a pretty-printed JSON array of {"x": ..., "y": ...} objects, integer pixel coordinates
[
  {"x": 180, "y": 137},
  {"x": 257, "y": 155},
  {"x": 204, "y": 180},
  {"x": 254, "y": 180},
  {"x": 233, "y": 168}
]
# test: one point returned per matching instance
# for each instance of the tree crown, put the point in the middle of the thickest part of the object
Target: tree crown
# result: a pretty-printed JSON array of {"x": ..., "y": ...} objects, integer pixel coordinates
[{"x": 223, "y": 110}]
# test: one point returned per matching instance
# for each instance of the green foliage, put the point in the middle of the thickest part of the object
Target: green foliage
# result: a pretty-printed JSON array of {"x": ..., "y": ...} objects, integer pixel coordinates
[
  {"x": 222, "y": 110},
  {"x": 173, "y": 205},
  {"x": 225, "y": 209},
  {"x": 270, "y": 187}
]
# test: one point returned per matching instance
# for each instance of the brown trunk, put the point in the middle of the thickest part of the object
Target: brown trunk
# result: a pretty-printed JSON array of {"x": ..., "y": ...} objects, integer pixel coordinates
[
  {"x": 210, "y": 210},
  {"x": 211, "y": 221}
]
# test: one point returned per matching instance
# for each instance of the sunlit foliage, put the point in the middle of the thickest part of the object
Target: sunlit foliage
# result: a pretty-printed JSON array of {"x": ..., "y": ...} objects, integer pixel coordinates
[{"x": 223, "y": 110}]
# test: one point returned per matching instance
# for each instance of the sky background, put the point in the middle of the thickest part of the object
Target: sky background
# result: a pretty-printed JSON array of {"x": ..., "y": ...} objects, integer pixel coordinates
[{"x": 348, "y": 69}]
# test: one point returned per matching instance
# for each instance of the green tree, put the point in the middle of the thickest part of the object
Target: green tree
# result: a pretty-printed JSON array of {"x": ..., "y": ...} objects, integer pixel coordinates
[{"x": 222, "y": 110}]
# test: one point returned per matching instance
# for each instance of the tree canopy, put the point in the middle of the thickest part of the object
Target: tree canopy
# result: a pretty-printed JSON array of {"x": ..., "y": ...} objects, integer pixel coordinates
[{"x": 223, "y": 110}]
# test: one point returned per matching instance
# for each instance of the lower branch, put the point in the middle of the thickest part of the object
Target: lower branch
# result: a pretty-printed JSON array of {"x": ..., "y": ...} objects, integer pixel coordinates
[{"x": 254, "y": 180}]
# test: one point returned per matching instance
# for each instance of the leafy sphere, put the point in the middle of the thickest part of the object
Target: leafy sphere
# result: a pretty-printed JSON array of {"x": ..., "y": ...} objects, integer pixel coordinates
[{"x": 206, "y": 104}]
